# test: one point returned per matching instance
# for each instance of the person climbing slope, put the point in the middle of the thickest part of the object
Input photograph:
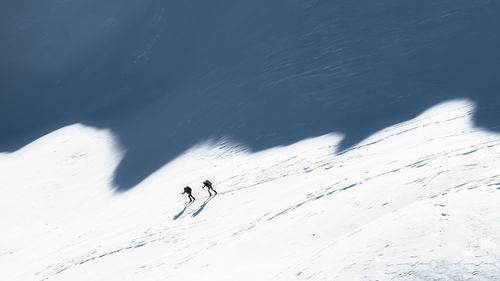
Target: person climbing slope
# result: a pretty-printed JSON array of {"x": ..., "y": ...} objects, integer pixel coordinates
[
  {"x": 208, "y": 184},
  {"x": 188, "y": 190}
]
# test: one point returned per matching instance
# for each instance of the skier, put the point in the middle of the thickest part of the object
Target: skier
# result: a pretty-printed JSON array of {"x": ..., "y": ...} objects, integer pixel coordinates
[
  {"x": 188, "y": 190},
  {"x": 208, "y": 184}
]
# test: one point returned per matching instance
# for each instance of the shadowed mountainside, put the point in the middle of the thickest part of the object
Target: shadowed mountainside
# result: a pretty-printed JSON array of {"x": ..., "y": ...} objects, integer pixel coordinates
[{"x": 165, "y": 75}]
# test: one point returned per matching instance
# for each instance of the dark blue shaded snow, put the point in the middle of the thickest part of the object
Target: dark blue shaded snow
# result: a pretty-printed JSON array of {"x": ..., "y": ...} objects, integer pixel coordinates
[{"x": 165, "y": 75}]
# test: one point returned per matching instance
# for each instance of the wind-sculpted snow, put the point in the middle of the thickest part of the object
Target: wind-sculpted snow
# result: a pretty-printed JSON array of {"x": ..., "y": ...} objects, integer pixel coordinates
[
  {"x": 414, "y": 201},
  {"x": 166, "y": 75}
]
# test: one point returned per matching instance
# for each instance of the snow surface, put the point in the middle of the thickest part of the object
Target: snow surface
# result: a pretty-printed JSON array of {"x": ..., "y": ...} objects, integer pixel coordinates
[
  {"x": 166, "y": 75},
  {"x": 415, "y": 201}
]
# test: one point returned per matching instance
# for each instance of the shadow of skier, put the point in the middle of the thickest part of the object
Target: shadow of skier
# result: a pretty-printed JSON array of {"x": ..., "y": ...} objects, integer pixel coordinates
[
  {"x": 181, "y": 212},
  {"x": 202, "y": 206}
]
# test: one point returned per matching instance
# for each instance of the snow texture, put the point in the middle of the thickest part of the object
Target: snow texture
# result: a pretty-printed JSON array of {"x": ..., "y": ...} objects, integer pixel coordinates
[
  {"x": 166, "y": 75},
  {"x": 414, "y": 201},
  {"x": 347, "y": 140}
]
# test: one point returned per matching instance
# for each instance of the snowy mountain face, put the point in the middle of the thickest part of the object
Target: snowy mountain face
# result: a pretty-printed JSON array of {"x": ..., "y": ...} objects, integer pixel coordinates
[
  {"x": 415, "y": 201},
  {"x": 166, "y": 75},
  {"x": 347, "y": 140}
]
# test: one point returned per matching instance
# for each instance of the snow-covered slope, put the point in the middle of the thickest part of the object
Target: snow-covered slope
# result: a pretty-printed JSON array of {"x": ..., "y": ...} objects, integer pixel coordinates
[
  {"x": 415, "y": 201},
  {"x": 166, "y": 75}
]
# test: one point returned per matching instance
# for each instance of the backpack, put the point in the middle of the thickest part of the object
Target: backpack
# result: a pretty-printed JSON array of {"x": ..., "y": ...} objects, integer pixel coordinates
[
  {"x": 207, "y": 183},
  {"x": 187, "y": 189}
]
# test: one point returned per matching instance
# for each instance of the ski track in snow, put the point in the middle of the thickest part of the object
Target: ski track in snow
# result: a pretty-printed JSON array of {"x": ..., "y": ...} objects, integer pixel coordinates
[{"x": 415, "y": 201}]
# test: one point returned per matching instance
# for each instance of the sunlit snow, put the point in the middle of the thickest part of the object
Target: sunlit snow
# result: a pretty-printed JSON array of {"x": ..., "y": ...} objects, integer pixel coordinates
[{"x": 415, "y": 201}]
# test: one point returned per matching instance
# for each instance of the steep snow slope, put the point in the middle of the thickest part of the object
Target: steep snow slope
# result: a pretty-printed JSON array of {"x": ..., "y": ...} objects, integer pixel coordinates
[
  {"x": 165, "y": 75},
  {"x": 415, "y": 201}
]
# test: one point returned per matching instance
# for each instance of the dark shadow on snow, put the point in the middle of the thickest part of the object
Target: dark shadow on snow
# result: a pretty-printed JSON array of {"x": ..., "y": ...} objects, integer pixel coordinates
[
  {"x": 165, "y": 75},
  {"x": 202, "y": 206},
  {"x": 182, "y": 211}
]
